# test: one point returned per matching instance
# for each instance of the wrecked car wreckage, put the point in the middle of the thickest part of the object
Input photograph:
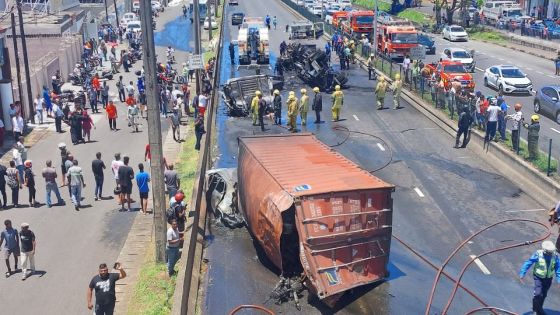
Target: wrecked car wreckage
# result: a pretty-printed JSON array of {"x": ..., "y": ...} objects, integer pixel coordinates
[
  {"x": 237, "y": 93},
  {"x": 311, "y": 65},
  {"x": 324, "y": 222}
]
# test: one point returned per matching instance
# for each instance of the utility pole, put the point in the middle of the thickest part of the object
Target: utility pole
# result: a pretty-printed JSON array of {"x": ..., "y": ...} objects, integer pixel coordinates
[
  {"x": 106, "y": 12},
  {"x": 25, "y": 64},
  {"x": 18, "y": 72},
  {"x": 154, "y": 129},
  {"x": 117, "y": 12},
  {"x": 375, "y": 28},
  {"x": 197, "y": 44}
]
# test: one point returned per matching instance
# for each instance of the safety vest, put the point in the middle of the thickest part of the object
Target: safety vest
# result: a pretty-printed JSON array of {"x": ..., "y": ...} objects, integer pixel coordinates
[{"x": 540, "y": 270}]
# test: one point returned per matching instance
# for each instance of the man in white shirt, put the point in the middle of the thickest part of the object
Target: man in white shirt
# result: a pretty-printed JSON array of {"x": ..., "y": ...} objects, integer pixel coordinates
[
  {"x": 17, "y": 126},
  {"x": 16, "y": 156},
  {"x": 492, "y": 120},
  {"x": 172, "y": 248},
  {"x": 202, "y": 102},
  {"x": 38, "y": 102},
  {"x": 516, "y": 119}
]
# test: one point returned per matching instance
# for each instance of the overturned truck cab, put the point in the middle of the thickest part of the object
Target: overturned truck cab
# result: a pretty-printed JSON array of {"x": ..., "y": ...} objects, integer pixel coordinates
[{"x": 315, "y": 213}]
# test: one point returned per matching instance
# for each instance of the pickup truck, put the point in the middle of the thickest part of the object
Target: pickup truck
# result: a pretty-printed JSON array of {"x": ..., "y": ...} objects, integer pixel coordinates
[{"x": 451, "y": 70}]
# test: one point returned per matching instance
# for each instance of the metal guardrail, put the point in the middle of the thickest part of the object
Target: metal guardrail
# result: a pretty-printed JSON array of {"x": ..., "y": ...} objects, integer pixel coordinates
[{"x": 188, "y": 295}]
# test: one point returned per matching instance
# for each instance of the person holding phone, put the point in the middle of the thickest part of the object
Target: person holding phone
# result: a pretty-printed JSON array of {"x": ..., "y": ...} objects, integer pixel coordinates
[{"x": 104, "y": 285}]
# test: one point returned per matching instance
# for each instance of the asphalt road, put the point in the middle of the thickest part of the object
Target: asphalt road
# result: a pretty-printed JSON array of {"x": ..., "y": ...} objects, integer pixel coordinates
[
  {"x": 539, "y": 70},
  {"x": 442, "y": 196},
  {"x": 71, "y": 244}
]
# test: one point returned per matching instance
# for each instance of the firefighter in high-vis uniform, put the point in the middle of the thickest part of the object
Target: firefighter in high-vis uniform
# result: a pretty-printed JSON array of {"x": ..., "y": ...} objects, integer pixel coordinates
[
  {"x": 380, "y": 91},
  {"x": 396, "y": 87},
  {"x": 545, "y": 264},
  {"x": 303, "y": 106},
  {"x": 255, "y": 107},
  {"x": 337, "y": 102},
  {"x": 277, "y": 105},
  {"x": 292, "y": 111},
  {"x": 533, "y": 137}
]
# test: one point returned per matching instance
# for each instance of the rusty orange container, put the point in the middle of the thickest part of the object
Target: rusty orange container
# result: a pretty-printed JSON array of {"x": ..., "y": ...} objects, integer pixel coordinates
[{"x": 342, "y": 214}]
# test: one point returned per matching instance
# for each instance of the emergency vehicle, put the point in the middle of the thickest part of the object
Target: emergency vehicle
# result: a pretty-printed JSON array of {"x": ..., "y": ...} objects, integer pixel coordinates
[
  {"x": 448, "y": 71},
  {"x": 396, "y": 38},
  {"x": 358, "y": 22},
  {"x": 338, "y": 18},
  {"x": 253, "y": 41}
]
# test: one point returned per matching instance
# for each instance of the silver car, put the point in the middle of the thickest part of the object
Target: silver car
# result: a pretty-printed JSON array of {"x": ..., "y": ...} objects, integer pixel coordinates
[{"x": 547, "y": 101}]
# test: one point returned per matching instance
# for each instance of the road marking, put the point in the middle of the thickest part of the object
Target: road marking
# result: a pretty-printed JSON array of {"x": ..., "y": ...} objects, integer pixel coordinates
[
  {"x": 470, "y": 242},
  {"x": 527, "y": 210},
  {"x": 477, "y": 68},
  {"x": 356, "y": 117},
  {"x": 419, "y": 192},
  {"x": 380, "y": 147},
  {"x": 551, "y": 76},
  {"x": 531, "y": 69},
  {"x": 480, "y": 265},
  {"x": 540, "y": 72},
  {"x": 555, "y": 130},
  {"x": 463, "y": 157}
]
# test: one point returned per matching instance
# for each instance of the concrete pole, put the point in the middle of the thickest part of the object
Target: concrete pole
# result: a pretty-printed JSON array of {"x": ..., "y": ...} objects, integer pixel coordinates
[
  {"x": 117, "y": 13},
  {"x": 18, "y": 71},
  {"x": 375, "y": 28},
  {"x": 197, "y": 44},
  {"x": 25, "y": 65},
  {"x": 154, "y": 129},
  {"x": 106, "y": 12}
]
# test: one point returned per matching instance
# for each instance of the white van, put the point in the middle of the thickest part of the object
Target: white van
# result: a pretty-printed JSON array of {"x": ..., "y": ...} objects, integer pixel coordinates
[{"x": 133, "y": 26}]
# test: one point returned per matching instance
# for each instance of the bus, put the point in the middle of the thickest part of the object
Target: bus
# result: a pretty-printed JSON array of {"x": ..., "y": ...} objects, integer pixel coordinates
[{"x": 202, "y": 9}]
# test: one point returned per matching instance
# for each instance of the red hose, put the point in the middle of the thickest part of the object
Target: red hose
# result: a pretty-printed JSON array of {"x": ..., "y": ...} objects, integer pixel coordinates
[
  {"x": 490, "y": 308},
  {"x": 248, "y": 306}
]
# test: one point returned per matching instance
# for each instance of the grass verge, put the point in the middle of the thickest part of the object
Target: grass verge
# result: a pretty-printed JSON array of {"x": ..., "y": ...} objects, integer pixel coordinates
[
  {"x": 487, "y": 35},
  {"x": 369, "y": 4},
  {"x": 154, "y": 290},
  {"x": 414, "y": 16},
  {"x": 188, "y": 161}
]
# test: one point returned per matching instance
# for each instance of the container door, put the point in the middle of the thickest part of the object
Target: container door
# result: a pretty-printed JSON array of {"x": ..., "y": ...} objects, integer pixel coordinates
[{"x": 344, "y": 239}]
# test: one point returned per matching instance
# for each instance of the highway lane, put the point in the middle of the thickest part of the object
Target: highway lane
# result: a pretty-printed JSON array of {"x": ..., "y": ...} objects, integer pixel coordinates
[
  {"x": 442, "y": 196},
  {"x": 539, "y": 70}
]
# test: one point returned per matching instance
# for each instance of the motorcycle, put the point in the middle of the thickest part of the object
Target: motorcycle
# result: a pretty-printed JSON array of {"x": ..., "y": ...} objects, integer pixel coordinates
[
  {"x": 104, "y": 74},
  {"x": 76, "y": 79}
]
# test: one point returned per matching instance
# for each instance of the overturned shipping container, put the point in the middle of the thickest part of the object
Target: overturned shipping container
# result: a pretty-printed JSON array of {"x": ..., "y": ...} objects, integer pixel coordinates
[{"x": 316, "y": 212}]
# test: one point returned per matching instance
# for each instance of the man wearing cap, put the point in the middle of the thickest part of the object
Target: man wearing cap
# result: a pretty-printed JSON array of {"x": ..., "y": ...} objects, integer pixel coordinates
[
  {"x": 277, "y": 105},
  {"x": 516, "y": 118},
  {"x": 371, "y": 67},
  {"x": 10, "y": 239},
  {"x": 337, "y": 103},
  {"x": 380, "y": 91},
  {"x": 317, "y": 105},
  {"x": 261, "y": 110},
  {"x": 255, "y": 107},
  {"x": 396, "y": 87},
  {"x": 27, "y": 238},
  {"x": 303, "y": 106},
  {"x": 533, "y": 137},
  {"x": 292, "y": 111},
  {"x": 546, "y": 265}
]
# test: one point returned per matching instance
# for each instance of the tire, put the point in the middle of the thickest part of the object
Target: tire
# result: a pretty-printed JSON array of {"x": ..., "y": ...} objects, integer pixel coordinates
[
  {"x": 537, "y": 106},
  {"x": 557, "y": 116}
]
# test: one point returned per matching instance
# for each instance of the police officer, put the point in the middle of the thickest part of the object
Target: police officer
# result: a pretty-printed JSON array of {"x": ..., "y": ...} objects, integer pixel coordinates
[
  {"x": 380, "y": 91},
  {"x": 317, "y": 104},
  {"x": 371, "y": 67},
  {"x": 337, "y": 101},
  {"x": 396, "y": 87},
  {"x": 533, "y": 137},
  {"x": 277, "y": 105},
  {"x": 463, "y": 124},
  {"x": 546, "y": 262},
  {"x": 292, "y": 111},
  {"x": 255, "y": 107},
  {"x": 261, "y": 111},
  {"x": 303, "y": 106}
]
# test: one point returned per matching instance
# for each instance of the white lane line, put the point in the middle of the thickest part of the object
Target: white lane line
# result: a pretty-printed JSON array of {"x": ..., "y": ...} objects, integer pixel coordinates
[
  {"x": 531, "y": 69},
  {"x": 380, "y": 146},
  {"x": 477, "y": 68},
  {"x": 540, "y": 72},
  {"x": 470, "y": 242},
  {"x": 463, "y": 157},
  {"x": 526, "y": 210},
  {"x": 480, "y": 265},
  {"x": 419, "y": 192},
  {"x": 555, "y": 130},
  {"x": 551, "y": 76},
  {"x": 356, "y": 117}
]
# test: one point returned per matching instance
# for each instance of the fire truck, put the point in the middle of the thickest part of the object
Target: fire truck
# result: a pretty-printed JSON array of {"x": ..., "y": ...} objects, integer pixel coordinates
[
  {"x": 449, "y": 71},
  {"x": 358, "y": 22},
  {"x": 396, "y": 38},
  {"x": 338, "y": 18}
]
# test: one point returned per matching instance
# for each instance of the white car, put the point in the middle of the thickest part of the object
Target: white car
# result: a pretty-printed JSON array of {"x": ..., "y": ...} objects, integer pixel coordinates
[
  {"x": 156, "y": 6},
  {"x": 128, "y": 17},
  {"x": 455, "y": 33},
  {"x": 345, "y": 3},
  {"x": 316, "y": 10},
  {"x": 459, "y": 54},
  {"x": 308, "y": 3},
  {"x": 136, "y": 6},
  {"x": 133, "y": 26},
  {"x": 213, "y": 23},
  {"x": 508, "y": 79}
]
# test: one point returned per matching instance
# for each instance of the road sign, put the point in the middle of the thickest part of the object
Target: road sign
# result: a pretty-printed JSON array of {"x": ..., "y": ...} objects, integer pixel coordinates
[
  {"x": 417, "y": 53},
  {"x": 196, "y": 62}
]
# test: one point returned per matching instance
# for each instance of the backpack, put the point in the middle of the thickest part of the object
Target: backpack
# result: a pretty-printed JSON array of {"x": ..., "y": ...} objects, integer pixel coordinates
[{"x": 171, "y": 211}]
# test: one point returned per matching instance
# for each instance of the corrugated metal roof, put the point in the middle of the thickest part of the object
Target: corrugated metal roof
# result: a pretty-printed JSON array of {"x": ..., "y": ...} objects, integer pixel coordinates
[{"x": 303, "y": 165}]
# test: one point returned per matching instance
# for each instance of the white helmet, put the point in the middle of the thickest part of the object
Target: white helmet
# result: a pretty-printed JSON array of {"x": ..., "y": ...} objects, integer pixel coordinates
[
  {"x": 62, "y": 145},
  {"x": 548, "y": 246}
]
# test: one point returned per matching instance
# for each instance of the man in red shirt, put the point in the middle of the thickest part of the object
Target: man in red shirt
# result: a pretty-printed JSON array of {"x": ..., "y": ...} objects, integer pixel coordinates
[
  {"x": 95, "y": 83},
  {"x": 112, "y": 115},
  {"x": 148, "y": 156},
  {"x": 130, "y": 100}
]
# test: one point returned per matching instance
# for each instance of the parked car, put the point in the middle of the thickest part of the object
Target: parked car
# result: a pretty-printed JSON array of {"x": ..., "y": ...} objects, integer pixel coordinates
[
  {"x": 213, "y": 23},
  {"x": 156, "y": 6},
  {"x": 316, "y": 10},
  {"x": 308, "y": 3},
  {"x": 345, "y": 3},
  {"x": 547, "y": 102},
  {"x": 127, "y": 17},
  {"x": 508, "y": 79},
  {"x": 455, "y": 33},
  {"x": 233, "y": 2},
  {"x": 133, "y": 26},
  {"x": 459, "y": 54},
  {"x": 237, "y": 18},
  {"x": 136, "y": 6},
  {"x": 427, "y": 42}
]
